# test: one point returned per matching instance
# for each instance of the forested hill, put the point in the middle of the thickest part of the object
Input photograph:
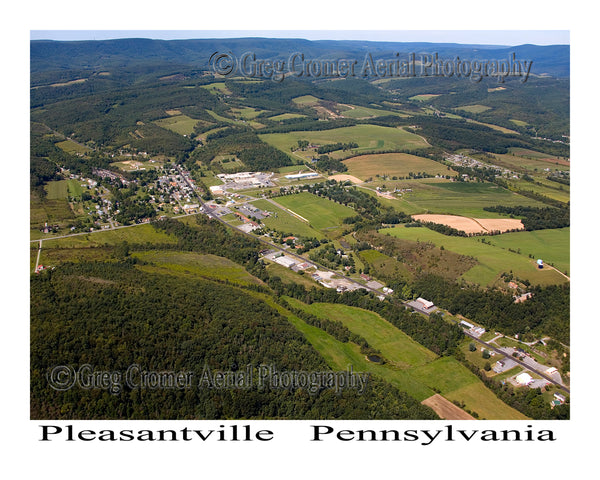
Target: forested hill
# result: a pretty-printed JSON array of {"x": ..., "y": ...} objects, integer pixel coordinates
[{"x": 93, "y": 55}]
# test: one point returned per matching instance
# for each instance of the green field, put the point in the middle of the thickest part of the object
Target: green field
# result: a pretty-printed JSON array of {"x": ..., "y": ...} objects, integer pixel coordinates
[
  {"x": 359, "y": 112},
  {"x": 530, "y": 161},
  {"x": 370, "y": 138},
  {"x": 143, "y": 233},
  {"x": 217, "y": 87},
  {"x": 411, "y": 367},
  {"x": 424, "y": 97},
  {"x": 395, "y": 346},
  {"x": 320, "y": 212},
  {"x": 70, "y": 146},
  {"x": 181, "y": 124},
  {"x": 246, "y": 113},
  {"x": 475, "y": 108},
  {"x": 493, "y": 260},
  {"x": 305, "y": 100},
  {"x": 393, "y": 164},
  {"x": 553, "y": 246},
  {"x": 384, "y": 265},
  {"x": 458, "y": 384},
  {"x": 463, "y": 198},
  {"x": 196, "y": 264},
  {"x": 286, "y": 116},
  {"x": 284, "y": 222}
]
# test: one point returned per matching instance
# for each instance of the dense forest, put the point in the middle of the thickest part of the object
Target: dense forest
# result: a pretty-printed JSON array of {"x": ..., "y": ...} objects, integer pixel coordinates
[{"x": 112, "y": 316}]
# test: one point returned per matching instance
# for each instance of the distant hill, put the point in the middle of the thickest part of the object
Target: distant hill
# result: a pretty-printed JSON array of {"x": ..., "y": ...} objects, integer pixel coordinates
[{"x": 48, "y": 55}]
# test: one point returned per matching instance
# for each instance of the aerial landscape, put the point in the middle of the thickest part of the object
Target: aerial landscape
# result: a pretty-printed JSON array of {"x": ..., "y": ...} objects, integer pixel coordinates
[{"x": 281, "y": 228}]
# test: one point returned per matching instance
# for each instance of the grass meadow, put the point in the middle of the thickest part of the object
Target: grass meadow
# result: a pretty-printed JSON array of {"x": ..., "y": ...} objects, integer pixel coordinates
[
  {"x": 393, "y": 164},
  {"x": 495, "y": 259},
  {"x": 370, "y": 138},
  {"x": 411, "y": 368},
  {"x": 320, "y": 212}
]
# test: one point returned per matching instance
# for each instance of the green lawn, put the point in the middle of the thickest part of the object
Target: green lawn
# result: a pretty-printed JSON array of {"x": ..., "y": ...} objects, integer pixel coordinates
[
  {"x": 493, "y": 260},
  {"x": 320, "y": 212}
]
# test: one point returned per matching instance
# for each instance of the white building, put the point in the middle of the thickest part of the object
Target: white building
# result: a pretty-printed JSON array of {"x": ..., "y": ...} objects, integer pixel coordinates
[
  {"x": 524, "y": 378},
  {"x": 426, "y": 303}
]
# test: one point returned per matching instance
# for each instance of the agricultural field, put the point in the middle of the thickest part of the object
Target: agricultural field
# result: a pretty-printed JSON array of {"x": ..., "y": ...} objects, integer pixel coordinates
[
  {"x": 395, "y": 346},
  {"x": 463, "y": 198},
  {"x": 553, "y": 246},
  {"x": 393, "y": 164},
  {"x": 70, "y": 146},
  {"x": 492, "y": 260},
  {"x": 473, "y": 225},
  {"x": 181, "y": 124},
  {"x": 283, "y": 221},
  {"x": 370, "y": 138},
  {"x": 533, "y": 162},
  {"x": 360, "y": 112},
  {"x": 321, "y": 213}
]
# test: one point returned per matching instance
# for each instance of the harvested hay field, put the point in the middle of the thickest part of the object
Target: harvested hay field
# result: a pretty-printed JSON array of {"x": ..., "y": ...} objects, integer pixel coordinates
[
  {"x": 473, "y": 225},
  {"x": 446, "y": 409},
  {"x": 342, "y": 178}
]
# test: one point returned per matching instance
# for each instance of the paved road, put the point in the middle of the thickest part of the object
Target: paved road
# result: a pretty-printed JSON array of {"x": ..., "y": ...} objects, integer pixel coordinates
[
  {"x": 299, "y": 257},
  {"x": 520, "y": 362},
  {"x": 302, "y": 259}
]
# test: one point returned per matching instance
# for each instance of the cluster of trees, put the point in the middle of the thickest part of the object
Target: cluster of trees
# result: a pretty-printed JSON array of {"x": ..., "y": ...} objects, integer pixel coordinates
[
  {"x": 243, "y": 143},
  {"x": 546, "y": 312},
  {"x": 334, "y": 328},
  {"x": 333, "y": 258},
  {"x": 327, "y": 164},
  {"x": 111, "y": 316},
  {"x": 363, "y": 203},
  {"x": 536, "y": 218},
  {"x": 332, "y": 147},
  {"x": 444, "y": 229}
]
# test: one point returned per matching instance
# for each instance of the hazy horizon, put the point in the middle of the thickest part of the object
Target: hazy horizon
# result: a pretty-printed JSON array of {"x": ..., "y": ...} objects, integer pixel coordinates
[{"x": 468, "y": 37}]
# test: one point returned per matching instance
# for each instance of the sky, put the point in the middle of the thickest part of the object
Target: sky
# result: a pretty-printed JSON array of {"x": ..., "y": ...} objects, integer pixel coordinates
[{"x": 481, "y": 37}]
